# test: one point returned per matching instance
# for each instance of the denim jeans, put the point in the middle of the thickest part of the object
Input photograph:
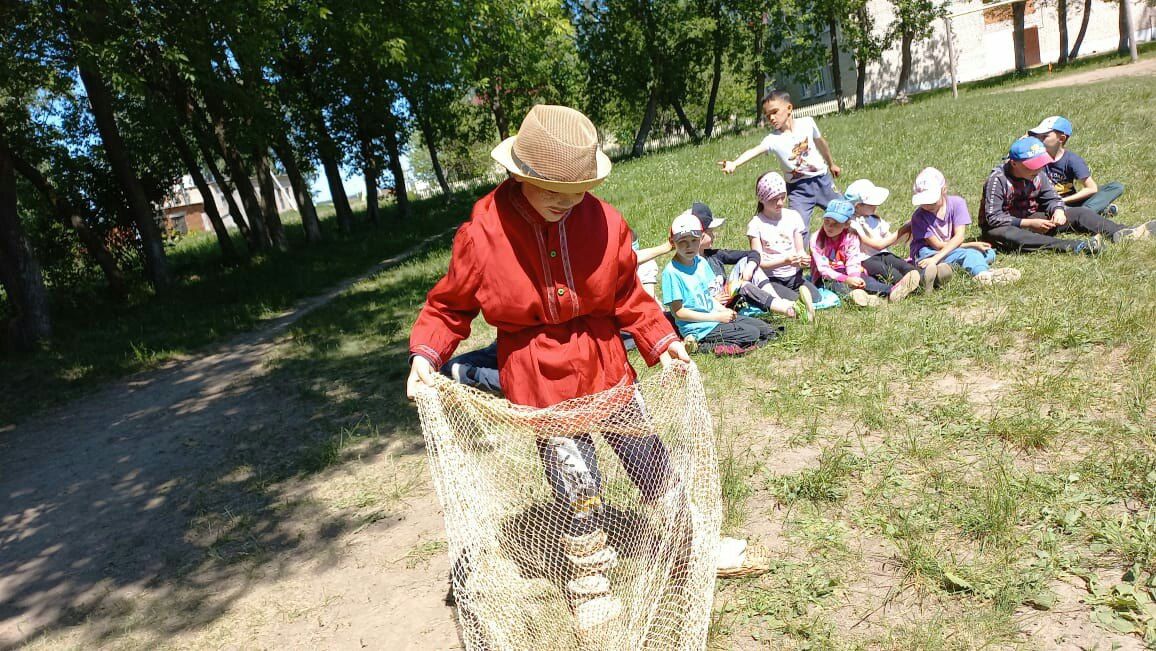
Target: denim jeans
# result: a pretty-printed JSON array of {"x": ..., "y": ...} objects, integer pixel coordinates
[
  {"x": 803, "y": 195},
  {"x": 871, "y": 286},
  {"x": 973, "y": 261},
  {"x": 1099, "y": 202}
]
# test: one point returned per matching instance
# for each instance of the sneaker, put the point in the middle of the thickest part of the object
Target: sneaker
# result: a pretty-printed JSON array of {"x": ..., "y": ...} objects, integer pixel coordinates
[
  {"x": 1091, "y": 246},
  {"x": 691, "y": 343},
  {"x": 905, "y": 286},
  {"x": 808, "y": 304},
  {"x": 997, "y": 277},
  {"x": 930, "y": 274},
  {"x": 729, "y": 350},
  {"x": 863, "y": 299},
  {"x": 1141, "y": 232},
  {"x": 1112, "y": 210},
  {"x": 1006, "y": 274},
  {"x": 943, "y": 273}
]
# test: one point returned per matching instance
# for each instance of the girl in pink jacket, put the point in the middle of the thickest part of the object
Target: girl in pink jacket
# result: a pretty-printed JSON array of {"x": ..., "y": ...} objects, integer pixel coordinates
[{"x": 837, "y": 262}]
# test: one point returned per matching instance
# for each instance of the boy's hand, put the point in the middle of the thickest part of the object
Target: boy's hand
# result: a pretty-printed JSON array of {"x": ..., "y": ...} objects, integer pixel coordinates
[
  {"x": 927, "y": 262},
  {"x": 982, "y": 247},
  {"x": 1037, "y": 225},
  {"x": 420, "y": 372},
  {"x": 728, "y": 166},
  {"x": 727, "y": 315},
  {"x": 855, "y": 282},
  {"x": 835, "y": 170},
  {"x": 1059, "y": 218},
  {"x": 675, "y": 352}
]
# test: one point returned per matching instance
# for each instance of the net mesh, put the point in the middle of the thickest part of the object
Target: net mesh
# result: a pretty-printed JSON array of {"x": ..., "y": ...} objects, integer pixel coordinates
[{"x": 592, "y": 524}]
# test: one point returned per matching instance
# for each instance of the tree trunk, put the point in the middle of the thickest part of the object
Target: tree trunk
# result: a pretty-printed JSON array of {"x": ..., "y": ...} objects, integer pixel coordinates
[
  {"x": 71, "y": 218},
  {"x": 1121, "y": 19},
  {"x": 242, "y": 182},
  {"x": 904, "y": 63},
  {"x": 760, "y": 75},
  {"x": 228, "y": 250},
  {"x": 1127, "y": 31},
  {"x": 20, "y": 270},
  {"x": 268, "y": 201},
  {"x": 327, "y": 151},
  {"x": 687, "y": 126},
  {"x": 393, "y": 148},
  {"x": 428, "y": 136},
  {"x": 861, "y": 83},
  {"x": 309, "y": 220},
  {"x": 1062, "y": 20},
  {"x": 647, "y": 121},
  {"x": 1018, "y": 11},
  {"x": 719, "y": 44},
  {"x": 501, "y": 120},
  {"x": 155, "y": 261},
  {"x": 370, "y": 173},
  {"x": 1083, "y": 30},
  {"x": 209, "y": 152},
  {"x": 836, "y": 65}
]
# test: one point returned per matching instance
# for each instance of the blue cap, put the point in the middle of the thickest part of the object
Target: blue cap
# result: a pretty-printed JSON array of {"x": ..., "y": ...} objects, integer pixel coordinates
[
  {"x": 840, "y": 210},
  {"x": 1029, "y": 151},
  {"x": 1053, "y": 123}
]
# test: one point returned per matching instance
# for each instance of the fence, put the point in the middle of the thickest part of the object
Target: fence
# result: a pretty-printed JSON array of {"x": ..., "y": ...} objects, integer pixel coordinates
[{"x": 619, "y": 150}]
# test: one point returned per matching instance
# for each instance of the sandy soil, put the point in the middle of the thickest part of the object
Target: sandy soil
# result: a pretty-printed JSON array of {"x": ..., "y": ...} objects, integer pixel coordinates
[{"x": 1142, "y": 68}]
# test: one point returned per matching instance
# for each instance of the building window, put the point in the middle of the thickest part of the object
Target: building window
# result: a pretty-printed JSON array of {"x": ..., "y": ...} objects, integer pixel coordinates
[{"x": 817, "y": 85}]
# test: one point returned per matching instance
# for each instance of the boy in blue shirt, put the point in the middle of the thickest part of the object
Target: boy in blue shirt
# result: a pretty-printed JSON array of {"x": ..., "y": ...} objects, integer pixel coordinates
[
  {"x": 1067, "y": 167},
  {"x": 686, "y": 291}
]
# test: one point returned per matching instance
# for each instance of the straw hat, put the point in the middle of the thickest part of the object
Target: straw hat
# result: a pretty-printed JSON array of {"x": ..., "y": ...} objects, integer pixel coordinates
[{"x": 557, "y": 149}]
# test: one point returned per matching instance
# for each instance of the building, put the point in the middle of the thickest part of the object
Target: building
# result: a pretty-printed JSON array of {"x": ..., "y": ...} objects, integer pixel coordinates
[
  {"x": 184, "y": 209},
  {"x": 983, "y": 44}
]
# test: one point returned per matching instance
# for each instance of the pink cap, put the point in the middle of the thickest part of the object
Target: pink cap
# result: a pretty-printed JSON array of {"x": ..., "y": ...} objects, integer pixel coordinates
[
  {"x": 928, "y": 187},
  {"x": 770, "y": 185}
]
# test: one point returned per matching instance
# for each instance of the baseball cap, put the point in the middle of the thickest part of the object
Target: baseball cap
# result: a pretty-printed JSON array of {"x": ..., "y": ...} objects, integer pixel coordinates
[
  {"x": 702, "y": 211},
  {"x": 840, "y": 210},
  {"x": 864, "y": 191},
  {"x": 928, "y": 187},
  {"x": 1053, "y": 123},
  {"x": 1029, "y": 151},
  {"x": 770, "y": 185},
  {"x": 685, "y": 225}
]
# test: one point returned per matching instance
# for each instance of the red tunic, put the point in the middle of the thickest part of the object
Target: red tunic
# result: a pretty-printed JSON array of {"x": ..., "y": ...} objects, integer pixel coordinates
[{"x": 557, "y": 292}]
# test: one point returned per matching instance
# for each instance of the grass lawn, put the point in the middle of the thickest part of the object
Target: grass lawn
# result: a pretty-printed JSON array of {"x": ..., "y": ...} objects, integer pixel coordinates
[{"x": 960, "y": 471}]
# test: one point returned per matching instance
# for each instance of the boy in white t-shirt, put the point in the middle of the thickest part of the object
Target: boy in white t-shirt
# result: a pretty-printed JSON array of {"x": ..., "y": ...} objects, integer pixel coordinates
[{"x": 803, "y": 155}]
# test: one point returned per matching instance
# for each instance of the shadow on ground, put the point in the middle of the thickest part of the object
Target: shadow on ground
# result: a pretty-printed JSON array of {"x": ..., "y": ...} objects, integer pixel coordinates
[{"x": 146, "y": 510}]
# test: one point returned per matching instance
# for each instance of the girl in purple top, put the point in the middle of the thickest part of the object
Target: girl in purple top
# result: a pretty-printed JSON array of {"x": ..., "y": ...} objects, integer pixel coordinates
[{"x": 938, "y": 228}]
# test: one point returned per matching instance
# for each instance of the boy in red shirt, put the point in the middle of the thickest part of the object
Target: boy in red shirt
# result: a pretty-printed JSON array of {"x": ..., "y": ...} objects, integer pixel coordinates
[{"x": 550, "y": 266}]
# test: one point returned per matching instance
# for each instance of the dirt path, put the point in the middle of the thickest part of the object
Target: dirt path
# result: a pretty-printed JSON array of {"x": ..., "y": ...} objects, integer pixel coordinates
[
  {"x": 1142, "y": 68},
  {"x": 103, "y": 525}
]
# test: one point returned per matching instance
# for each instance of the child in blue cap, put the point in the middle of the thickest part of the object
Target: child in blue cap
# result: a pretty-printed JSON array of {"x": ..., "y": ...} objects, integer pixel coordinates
[
  {"x": 1068, "y": 167},
  {"x": 837, "y": 261},
  {"x": 1020, "y": 210}
]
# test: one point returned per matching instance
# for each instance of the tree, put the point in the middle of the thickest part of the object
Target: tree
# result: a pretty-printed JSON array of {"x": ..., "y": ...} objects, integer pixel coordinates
[
  {"x": 1062, "y": 23},
  {"x": 1083, "y": 30},
  {"x": 19, "y": 269},
  {"x": 865, "y": 43},
  {"x": 1019, "y": 9},
  {"x": 913, "y": 21}
]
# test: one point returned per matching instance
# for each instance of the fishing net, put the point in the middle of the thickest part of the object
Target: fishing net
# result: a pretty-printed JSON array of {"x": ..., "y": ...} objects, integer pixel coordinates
[{"x": 592, "y": 524}]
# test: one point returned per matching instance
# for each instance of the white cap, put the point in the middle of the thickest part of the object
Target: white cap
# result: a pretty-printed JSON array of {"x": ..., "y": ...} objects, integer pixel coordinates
[
  {"x": 864, "y": 191},
  {"x": 928, "y": 187},
  {"x": 685, "y": 225}
]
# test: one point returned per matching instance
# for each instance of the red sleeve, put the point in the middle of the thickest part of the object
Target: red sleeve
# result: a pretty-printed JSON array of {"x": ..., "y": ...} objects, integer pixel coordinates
[
  {"x": 636, "y": 311},
  {"x": 451, "y": 305}
]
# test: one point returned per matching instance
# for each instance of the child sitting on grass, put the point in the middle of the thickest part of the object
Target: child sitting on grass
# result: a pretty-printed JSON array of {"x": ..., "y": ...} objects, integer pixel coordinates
[
  {"x": 703, "y": 321},
  {"x": 938, "y": 228},
  {"x": 875, "y": 237},
  {"x": 777, "y": 233},
  {"x": 740, "y": 288},
  {"x": 838, "y": 262},
  {"x": 1068, "y": 167}
]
